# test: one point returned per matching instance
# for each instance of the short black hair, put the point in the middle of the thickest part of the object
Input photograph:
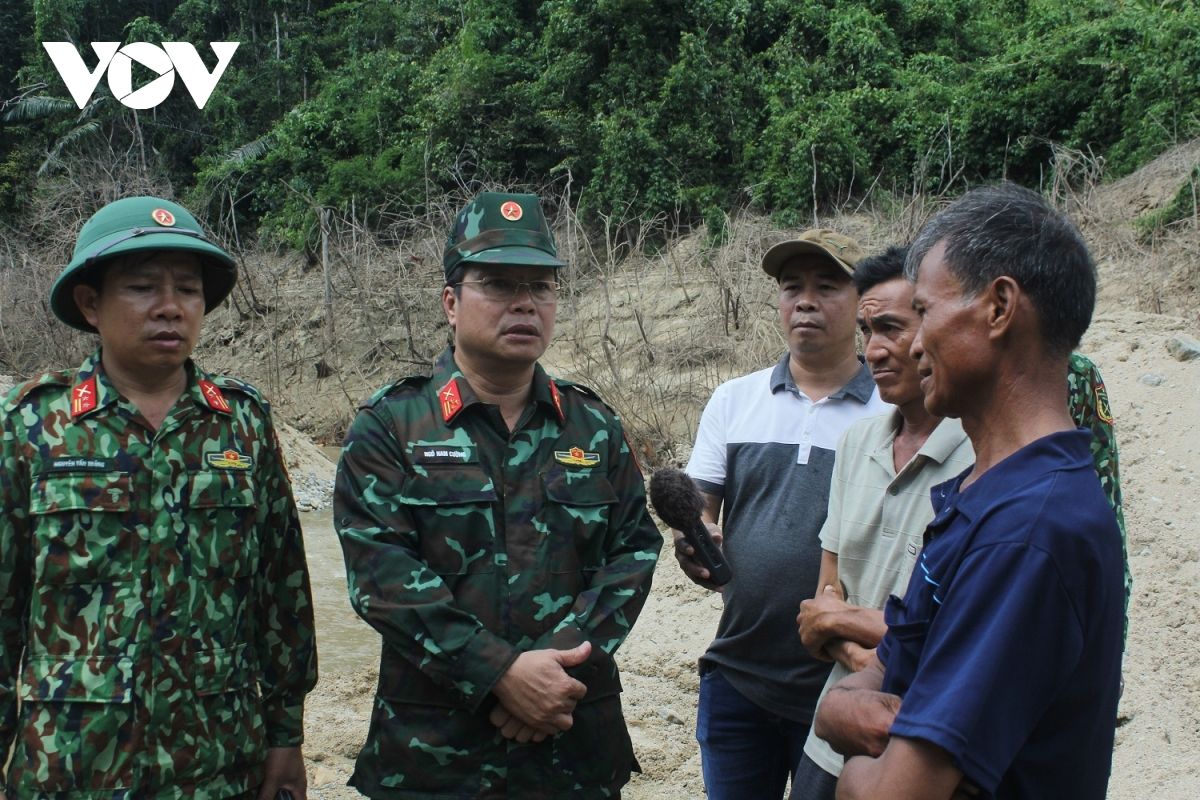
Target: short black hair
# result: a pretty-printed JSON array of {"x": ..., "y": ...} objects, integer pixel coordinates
[
  {"x": 94, "y": 276},
  {"x": 1007, "y": 230},
  {"x": 879, "y": 268}
]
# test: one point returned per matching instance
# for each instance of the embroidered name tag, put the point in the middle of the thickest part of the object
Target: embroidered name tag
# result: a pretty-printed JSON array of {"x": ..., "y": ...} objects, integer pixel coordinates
[
  {"x": 430, "y": 454},
  {"x": 81, "y": 463},
  {"x": 228, "y": 459}
]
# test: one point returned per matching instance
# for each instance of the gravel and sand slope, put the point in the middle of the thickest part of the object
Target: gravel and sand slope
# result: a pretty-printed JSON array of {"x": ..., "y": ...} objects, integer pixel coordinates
[{"x": 1156, "y": 401}]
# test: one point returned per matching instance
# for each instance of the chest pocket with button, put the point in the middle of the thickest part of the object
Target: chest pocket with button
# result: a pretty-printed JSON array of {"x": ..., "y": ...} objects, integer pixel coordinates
[
  {"x": 576, "y": 512},
  {"x": 452, "y": 511},
  {"x": 80, "y": 529},
  {"x": 222, "y": 508}
]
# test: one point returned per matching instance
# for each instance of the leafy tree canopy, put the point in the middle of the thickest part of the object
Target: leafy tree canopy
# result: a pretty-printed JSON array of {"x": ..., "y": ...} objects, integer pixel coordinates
[{"x": 682, "y": 107}]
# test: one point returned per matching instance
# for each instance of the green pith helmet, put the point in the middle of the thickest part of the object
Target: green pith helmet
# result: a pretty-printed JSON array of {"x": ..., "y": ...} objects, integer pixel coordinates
[
  {"x": 500, "y": 228},
  {"x": 140, "y": 224}
]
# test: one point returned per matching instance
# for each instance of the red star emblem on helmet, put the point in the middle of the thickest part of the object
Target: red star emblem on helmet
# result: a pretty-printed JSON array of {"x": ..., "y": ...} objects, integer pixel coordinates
[
  {"x": 163, "y": 217},
  {"x": 511, "y": 211}
]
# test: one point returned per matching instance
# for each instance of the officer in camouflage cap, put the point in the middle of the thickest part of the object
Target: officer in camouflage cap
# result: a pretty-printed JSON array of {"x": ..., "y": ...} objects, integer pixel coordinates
[
  {"x": 496, "y": 535},
  {"x": 155, "y": 615}
]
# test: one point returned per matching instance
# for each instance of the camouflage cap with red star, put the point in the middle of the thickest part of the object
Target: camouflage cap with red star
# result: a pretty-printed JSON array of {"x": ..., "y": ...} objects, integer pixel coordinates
[{"x": 500, "y": 228}]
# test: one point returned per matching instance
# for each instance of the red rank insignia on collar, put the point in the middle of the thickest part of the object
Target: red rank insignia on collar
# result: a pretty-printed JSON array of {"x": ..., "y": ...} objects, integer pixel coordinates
[
  {"x": 212, "y": 395},
  {"x": 450, "y": 399},
  {"x": 83, "y": 397},
  {"x": 557, "y": 398}
]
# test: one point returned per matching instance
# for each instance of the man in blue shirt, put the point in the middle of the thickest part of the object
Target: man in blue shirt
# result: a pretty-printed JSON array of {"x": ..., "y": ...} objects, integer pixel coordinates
[{"x": 999, "y": 674}]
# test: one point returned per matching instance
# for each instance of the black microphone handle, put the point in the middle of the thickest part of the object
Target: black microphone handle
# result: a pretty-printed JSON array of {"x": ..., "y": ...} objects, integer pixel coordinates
[{"x": 707, "y": 553}]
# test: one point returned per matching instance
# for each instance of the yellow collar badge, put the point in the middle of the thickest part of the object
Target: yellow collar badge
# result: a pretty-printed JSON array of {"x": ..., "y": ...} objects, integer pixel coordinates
[{"x": 575, "y": 457}]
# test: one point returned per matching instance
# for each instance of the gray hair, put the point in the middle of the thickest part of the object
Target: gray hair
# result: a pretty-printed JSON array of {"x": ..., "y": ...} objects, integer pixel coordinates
[{"x": 1006, "y": 230}]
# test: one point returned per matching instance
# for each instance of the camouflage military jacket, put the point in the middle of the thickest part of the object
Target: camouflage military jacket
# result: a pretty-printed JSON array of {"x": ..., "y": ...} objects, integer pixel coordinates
[
  {"x": 155, "y": 610},
  {"x": 466, "y": 545},
  {"x": 1088, "y": 402}
]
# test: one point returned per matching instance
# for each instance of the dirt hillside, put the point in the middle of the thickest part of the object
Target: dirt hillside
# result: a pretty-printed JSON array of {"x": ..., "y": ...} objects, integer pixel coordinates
[
  {"x": 662, "y": 330},
  {"x": 655, "y": 334},
  {"x": 1156, "y": 401}
]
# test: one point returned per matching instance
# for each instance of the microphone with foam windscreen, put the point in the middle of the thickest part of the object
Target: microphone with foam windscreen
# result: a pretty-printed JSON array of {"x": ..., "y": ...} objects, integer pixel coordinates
[{"x": 677, "y": 500}]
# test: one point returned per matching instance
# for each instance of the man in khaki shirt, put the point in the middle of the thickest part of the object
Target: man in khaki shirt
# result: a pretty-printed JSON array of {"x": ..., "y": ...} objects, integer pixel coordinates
[{"x": 878, "y": 501}]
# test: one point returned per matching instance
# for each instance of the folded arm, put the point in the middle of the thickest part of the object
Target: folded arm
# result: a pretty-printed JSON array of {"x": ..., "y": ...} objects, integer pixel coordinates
[{"x": 908, "y": 769}]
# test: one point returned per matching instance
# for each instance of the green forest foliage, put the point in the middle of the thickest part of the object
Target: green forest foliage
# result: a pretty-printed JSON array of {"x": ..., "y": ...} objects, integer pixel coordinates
[{"x": 640, "y": 107}]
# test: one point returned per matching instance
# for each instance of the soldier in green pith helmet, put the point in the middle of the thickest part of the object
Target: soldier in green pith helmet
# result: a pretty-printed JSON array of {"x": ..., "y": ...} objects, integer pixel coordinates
[
  {"x": 156, "y": 623},
  {"x": 495, "y": 530}
]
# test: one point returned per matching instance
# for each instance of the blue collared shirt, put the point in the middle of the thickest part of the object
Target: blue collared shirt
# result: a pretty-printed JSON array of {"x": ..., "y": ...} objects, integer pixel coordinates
[{"x": 1006, "y": 648}]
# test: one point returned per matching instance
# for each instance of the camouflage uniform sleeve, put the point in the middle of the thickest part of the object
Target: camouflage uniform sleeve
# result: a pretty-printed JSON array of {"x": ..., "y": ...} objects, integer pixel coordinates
[
  {"x": 14, "y": 572},
  {"x": 604, "y": 613},
  {"x": 287, "y": 654},
  {"x": 1088, "y": 402},
  {"x": 390, "y": 586}
]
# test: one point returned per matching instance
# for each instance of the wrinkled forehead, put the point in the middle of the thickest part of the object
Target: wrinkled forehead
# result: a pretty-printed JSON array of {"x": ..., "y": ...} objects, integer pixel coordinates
[
  {"x": 934, "y": 277},
  {"x": 893, "y": 296}
]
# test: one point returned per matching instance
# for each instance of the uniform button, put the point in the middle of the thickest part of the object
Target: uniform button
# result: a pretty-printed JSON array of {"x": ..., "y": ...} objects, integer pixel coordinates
[{"x": 893, "y": 491}]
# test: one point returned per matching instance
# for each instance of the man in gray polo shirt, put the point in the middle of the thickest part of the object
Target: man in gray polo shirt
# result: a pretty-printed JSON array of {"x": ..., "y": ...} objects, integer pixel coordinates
[
  {"x": 764, "y": 456},
  {"x": 878, "y": 502}
]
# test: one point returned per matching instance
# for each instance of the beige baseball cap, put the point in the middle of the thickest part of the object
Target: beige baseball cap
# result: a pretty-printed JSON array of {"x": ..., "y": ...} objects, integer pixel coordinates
[{"x": 839, "y": 248}]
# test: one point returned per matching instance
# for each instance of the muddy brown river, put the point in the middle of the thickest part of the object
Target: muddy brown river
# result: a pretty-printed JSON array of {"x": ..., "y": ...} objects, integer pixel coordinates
[{"x": 344, "y": 641}]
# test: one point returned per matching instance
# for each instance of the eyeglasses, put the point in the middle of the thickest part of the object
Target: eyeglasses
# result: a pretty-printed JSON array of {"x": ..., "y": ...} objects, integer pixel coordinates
[{"x": 505, "y": 289}]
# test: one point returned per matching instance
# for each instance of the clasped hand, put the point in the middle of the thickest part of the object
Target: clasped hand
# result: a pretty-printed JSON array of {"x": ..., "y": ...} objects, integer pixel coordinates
[
  {"x": 815, "y": 620},
  {"x": 537, "y": 696}
]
